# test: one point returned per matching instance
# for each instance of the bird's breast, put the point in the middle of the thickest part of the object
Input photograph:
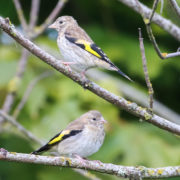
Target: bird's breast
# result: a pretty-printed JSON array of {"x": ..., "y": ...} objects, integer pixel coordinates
[
  {"x": 73, "y": 53},
  {"x": 84, "y": 144}
]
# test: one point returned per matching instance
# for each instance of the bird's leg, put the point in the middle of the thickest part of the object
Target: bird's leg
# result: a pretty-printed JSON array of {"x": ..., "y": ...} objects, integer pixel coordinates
[
  {"x": 83, "y": 74},
  {"x": 67, "y": 64},
  {"x": 99, "y": 162},
  {"x": 86, "y": 81},
  {"x": 82, "y": 160},
  {"x": 79, "y": 157}
]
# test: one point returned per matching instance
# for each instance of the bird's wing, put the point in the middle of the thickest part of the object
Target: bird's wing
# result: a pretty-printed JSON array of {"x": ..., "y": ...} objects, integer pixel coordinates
[
  {"x": 57, "y": 139},
  {"x": 90, "y": 47},
  {"x": 79, "y": 37}
]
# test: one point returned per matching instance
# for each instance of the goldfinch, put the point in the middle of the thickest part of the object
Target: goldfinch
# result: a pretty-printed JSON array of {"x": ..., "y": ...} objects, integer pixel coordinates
[
  {"x": 78, "y": 49},
  {"x": 82, "y": 137}
]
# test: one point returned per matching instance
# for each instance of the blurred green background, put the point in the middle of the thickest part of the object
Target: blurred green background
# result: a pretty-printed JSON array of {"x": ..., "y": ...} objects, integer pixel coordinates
[{"x": 56, "y": 100}]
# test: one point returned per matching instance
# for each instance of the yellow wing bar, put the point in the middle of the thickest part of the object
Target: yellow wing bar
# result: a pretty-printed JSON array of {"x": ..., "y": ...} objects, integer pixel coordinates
[
  {"x": 89, "y": 47},
  {"x": 56, "y": 139},
  {"x": 59, "y": 137}
]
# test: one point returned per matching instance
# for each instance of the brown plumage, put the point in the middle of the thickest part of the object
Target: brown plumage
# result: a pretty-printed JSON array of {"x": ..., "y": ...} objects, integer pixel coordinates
[
  {"x": 83, "y": 137},
  {"x": 78, "y": 49}
]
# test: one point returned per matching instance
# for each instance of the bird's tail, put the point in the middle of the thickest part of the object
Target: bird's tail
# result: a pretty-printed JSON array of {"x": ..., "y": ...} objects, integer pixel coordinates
[
  {"x": 115, "y": 68},
  {"x": 41, "y": 149},
  {"x": 124, "y": 75}
]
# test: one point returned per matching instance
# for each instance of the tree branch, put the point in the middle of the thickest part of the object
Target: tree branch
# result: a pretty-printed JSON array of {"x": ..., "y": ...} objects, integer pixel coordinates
[
  {"x": 155, "y": 4},
  {"x": 20, "y": 127},
  {"x": 9, "y": 100},
  {"x": 133, "y": 108},
  {"x": 23, "y": 61},
  {"x": 34, "y": 14},
  {"x": 162, "y": 6},
  {"x": 147, "y": 79},
  {"x": 175, "y": 6},
  {"x": 152, "y": 38},
  {"x": 50, "y": 18},
  {"x": 14, "y": 83},
  {"x": 28, "y": 91},
  {"x": 120, "y": 171},
  {"x": 33, "y": 138},
  {"x": 20, "y": 14},
  {"x": 157, "y": 19},
  {"x": 128, "y": 91}
]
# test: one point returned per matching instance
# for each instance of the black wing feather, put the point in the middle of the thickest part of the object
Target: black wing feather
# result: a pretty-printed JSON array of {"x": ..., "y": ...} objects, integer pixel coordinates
[
  {"x": 48, "y": 146},
  {"x": 93, "y": 46},
  {"x": 73, "y": 40},
  {"x": 99, "y": 51}
]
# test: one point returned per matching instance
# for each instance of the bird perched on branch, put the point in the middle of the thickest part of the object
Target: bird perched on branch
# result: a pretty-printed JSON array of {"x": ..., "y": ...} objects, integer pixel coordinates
[
  {"x": 82, "y": 137},
  {"x": 78, "y": 49}
]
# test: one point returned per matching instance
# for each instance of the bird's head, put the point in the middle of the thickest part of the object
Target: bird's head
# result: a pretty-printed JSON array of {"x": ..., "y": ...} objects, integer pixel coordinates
[
  {"x": 94, "y": 118},
  {"x": 62, "y": 23}
]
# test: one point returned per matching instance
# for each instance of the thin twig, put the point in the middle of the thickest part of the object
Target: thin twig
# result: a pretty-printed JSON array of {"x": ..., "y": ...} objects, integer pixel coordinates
[
  {"x": 133, "y": 108},
  {"x": 27, "y": 133},
  {"x": 107, "y": 168},
  {"x": 153, "y": 40},
  {"x": 175, "y": 6},
  {"x": 149, "y": 30},
  {"x": 144, "y": 61},
  {"x": 162, "y": 6},
  {"x": 16, "y": 80},
  {"x": 146, "y": 14},
  {"x": 9, "y": 100},
  {"x": 147, "y": 22},
  {"x": 153, "y": 10},
  {"x": 34, "y": 14},
  {"x": 162, "y": 22},
  {"x": 20, "y": 14},
  {"x": 28, "y": 91},
  {"x": 14, "y": 83},
  {"x": 51, "y": 17}
]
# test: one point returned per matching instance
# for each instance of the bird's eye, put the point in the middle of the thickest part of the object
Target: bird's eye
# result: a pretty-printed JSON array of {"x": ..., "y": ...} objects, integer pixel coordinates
[
  {"x": 94, "y": 119},
  {"x": 60, "y": 22}
]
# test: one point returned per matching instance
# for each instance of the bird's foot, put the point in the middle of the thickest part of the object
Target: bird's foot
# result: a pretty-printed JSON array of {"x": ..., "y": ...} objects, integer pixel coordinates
[
  {"x": 99, "y": 162},
  {"x": 67, "y": 64},
  {"x": 81, "y": 159},
  {"x": 85, "y": 80},
  {"x": 83, "y": 75}
]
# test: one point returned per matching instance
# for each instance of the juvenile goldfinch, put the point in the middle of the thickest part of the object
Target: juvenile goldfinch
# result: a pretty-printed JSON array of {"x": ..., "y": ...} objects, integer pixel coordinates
[
  {"x": 82, "y": 137},
  {"x": 78, "y": 49}
]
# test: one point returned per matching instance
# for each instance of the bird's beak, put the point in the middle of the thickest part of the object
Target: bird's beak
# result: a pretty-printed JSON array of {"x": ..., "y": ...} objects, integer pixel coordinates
[
  {"x": 103, "y": 121},
  {"x": 52, "y": 26}
]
